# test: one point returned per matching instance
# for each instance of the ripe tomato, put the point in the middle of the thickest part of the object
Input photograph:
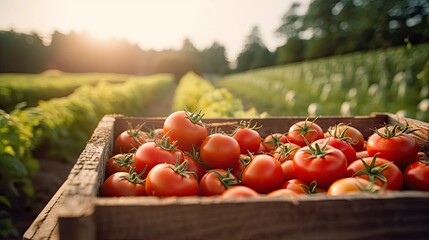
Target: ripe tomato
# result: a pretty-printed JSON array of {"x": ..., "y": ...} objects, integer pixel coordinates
[
  {"x": 129, "y": 140},
  {"x": 354, "y": 136},
  {"x": 247, "y": 137},
  {"x": 296, "y": 185},
  {"x": 166, "y": 180},
  {"x": 194, "y": 164},
  {"x": 416, "y": 176},
  {"x": 321, "y": 164},
  {"x": 288, "y": 170},
  {"x": 273, "y": 141},
  {"x": 239, "y": 192},
  {"x": 263, "y": 174},
  {"x": 121, "y": 162},
  {"x": 378, "y": 171},
  {"x": 151, "y": 154},
  {"x": 241, "y": 164},
  {"x": 219, "y": 151},
  {"x": 282, "y": 193},
  {"x": 341, "y": 145},
  {"x": 304, "y": 129},
  {"x": 351, "y": 185},
  {"x": 216, "y": 181},
  {"x": 186, "y": 128},
  {"x": 285, "y": 151},
  {"x": 121, "y": 184},
  {"x": 393, "y": 145}
]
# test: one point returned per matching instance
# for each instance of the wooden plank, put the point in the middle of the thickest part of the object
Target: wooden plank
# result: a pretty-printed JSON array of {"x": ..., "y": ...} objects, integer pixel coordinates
[{"x": 398, "y": 216}]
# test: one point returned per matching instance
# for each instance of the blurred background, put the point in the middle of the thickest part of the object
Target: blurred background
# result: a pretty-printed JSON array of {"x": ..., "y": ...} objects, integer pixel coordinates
[{"x": 65, "y": 64}]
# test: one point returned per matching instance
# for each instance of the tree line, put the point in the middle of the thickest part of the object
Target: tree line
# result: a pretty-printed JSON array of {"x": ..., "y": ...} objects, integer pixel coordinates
[{"x": 328, "y": 27}]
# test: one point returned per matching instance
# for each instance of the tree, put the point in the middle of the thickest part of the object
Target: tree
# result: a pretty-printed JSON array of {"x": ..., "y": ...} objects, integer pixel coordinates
[
  {"x": 213, "y": 60},
  {"x": 255, "y": 54}
]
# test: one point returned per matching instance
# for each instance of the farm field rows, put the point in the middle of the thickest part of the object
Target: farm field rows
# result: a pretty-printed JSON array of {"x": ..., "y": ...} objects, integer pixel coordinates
[
  {"x": 394, "y": 80},
  {"x": 32, "y": 88}
]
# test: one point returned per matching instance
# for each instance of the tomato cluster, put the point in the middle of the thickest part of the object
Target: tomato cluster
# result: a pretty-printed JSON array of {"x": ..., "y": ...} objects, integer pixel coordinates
[{"x": 184, "y": 159}]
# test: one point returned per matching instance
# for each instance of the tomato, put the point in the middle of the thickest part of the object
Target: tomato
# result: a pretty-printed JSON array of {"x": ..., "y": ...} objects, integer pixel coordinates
[
  {"x": 321, "y": 164},
  {"x": 263, "y": 174},
  {"x": 362, "y": 154},
  {"x": 151, "y": 154},
  {"x": 351, "y": 185},
  {"x": 240, "y": 165},
  {"x": 288, "y": 170},
  {"x": 121, "y": 184},
  {"x": 354, "y": 136},
  {"x": 282, "y": 193},
  {"x": 166, "y": 180},
  {"x": 273, "y": 141},
  {"x": 378, "y": 170},
  {"x": 296, "y": 185},
  {"x": 239, "y": 192},
  {"x": 194, "y": 164},
  {"x": 219, "y": 151},
  {"x": 247, "y": 137},
  {"x": 393, "y": 145},
  {"x": 341, "y": 145},
  {"x": 121, "y": 162},
  {"x": 304, "y": 130},
  {"x": 216, "y": 181},
  {"x": 155, "y": 134},
  {"x": 186, "y": 128},
  {"x": 129, "y": 140},
  {"x": 285, "y": 151},
  {"x": 416, "y": 176}
]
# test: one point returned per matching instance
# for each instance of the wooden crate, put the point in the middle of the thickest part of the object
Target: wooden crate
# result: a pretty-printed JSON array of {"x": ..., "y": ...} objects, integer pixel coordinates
[{"x": 76, "y": 211}]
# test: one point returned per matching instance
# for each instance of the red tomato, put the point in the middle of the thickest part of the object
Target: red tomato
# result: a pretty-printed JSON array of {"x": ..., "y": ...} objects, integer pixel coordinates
[
  {"x": 247, "y": 137},
  {"x": 166, "y": 180},
  {"x": 121, "y": 162},
  {"x": 296, "y": 185},
  {"x": 377, "y": 170},
  {"x": 353, "y": 135},
  {"x": 416, "y": 176},
  {"x": 341, "y": 145},
  {"x": 216, "y": 181},
  {"x": 393, "y": 145},
  {"x": 263, "y": 174},
  {"x": 121, "y": 184},
  {"x": 304, "y": 129},
  {"x": 219, "y": 151},
  {"x": 351, "y": 185},
  {"x": 244, "y": 160},
  {"x": 273, "y": 141},
  {"x": 288, "y": 170},
  {"x": 186, "y": 128},
  {"x": 282, "y": 193},
  {"x": 321, "y": 164},
  {"x": 285, "y": 151},
  {"x": 239, "y": 192},
  {"x": 194, "y": 165},
  {"x": 129, "y": 140},
  {"x": 151, "y": 154}
]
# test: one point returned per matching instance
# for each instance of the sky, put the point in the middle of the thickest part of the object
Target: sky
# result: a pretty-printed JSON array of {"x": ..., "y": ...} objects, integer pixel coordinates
[{"x": 152, "y": 24}]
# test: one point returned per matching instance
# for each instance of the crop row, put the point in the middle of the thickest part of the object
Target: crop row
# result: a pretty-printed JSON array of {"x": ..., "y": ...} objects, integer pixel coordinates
[
  {"x": 31, "y": 88},
  {"x": 394, "y": 80},
  {"x": 60, "y": 127},
  {"x": 195, "y": 93}
]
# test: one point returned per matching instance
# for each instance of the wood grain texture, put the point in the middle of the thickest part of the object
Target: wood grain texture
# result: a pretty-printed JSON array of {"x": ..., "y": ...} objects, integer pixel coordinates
[{"x": 84, "y": 215}]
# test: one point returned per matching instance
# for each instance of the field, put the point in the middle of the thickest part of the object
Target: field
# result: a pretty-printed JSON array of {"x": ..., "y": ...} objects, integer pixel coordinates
[
  {"x": 41, "y": 138},
  {"x": 395, "y": 81}
]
